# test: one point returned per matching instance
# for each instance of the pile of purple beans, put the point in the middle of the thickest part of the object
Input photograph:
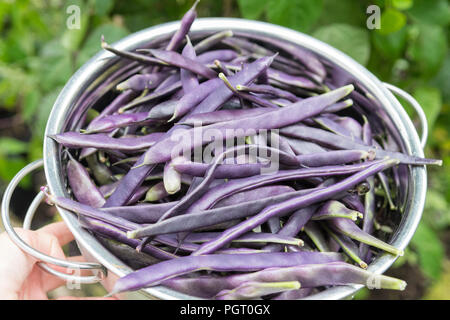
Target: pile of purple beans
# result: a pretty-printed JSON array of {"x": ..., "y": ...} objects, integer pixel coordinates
[{"x": 237, "y": 166}]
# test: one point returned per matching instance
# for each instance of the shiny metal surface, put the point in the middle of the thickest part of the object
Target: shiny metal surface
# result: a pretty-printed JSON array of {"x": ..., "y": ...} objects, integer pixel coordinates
[
  {"x": 43, "y": 258},
  {"x": 67, "y": 110},
  {"x": 413, "y": 102}
]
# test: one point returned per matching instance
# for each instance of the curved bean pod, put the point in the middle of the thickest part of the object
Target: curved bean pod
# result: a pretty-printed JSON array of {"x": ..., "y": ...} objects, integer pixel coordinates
[{"x": 168, "y": 269}]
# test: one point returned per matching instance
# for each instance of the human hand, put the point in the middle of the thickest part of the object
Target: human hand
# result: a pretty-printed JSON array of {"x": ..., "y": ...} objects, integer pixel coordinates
[{"x": 21, "y": 278}]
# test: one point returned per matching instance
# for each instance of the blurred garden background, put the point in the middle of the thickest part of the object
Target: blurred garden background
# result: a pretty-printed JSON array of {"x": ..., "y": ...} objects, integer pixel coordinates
[{"x": 39, "y": 53}]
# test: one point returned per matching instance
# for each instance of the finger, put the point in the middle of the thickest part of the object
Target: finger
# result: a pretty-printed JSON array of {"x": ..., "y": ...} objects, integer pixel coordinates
[
  {"x": 52, "y": 282},
  {"x": 60, "y": 231},
  {"x": 18, "y": 265},
  {"x": 12, "y": 274},
  {"x": 49, "y": 244},
  {"x": 77, "y": 258}
]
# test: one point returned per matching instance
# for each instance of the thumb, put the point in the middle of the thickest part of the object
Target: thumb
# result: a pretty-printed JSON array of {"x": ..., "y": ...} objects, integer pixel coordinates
[{"x": 16, "y": 265}]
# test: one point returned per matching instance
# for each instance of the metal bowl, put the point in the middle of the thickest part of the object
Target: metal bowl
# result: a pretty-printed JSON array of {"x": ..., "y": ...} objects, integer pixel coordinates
[{"x": 100, "y": 74}]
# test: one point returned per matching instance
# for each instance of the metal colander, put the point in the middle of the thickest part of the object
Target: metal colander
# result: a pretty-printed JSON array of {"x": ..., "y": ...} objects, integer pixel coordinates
[{"x": 94, "y": 79}]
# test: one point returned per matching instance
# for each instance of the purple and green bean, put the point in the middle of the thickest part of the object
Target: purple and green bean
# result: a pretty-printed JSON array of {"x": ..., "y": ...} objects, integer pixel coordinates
[{"x": 230, "y": 162}]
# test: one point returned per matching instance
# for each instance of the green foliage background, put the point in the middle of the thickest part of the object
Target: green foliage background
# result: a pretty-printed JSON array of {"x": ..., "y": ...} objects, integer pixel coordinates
[{"x": 38, "y": 54}]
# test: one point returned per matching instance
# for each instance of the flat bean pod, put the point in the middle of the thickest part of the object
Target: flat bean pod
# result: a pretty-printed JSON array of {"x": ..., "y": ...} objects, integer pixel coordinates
[{"x": 165, "y": 270}]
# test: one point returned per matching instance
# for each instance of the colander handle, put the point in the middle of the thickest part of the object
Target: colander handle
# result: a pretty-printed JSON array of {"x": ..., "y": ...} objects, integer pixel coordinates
[
  {"x": 44, "y": 260},
  {"x": 413, "y": 102}
]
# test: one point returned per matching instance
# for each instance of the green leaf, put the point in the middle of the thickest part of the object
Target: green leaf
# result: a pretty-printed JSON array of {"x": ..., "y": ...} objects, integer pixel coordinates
[
  {"x": 295, "y": 14},
  {"x": 344, "y": 11},
  {"x": 138, "y": 21},
  {"x": 57, "y": 73},
  {"x": 14, "y": 83},
  {"x": 437, "y": 211},
  {"x": 433, "y": 12},
  {"x": 45, "y": 106},
  {"x": 72, "y": 38},
  {"x": 349, "y": 39},
  {"x": 92, "y": 46},
  {"x": 430, "y": 251},
  {"x": 12, "y": 147},
  {"x": 442, "y": 79},
  {"x": 52, "y": 49},
  {"x": 103, "y": 7},
  {"x": 11, "y": 50},
  {"x": 391, "y": 21},
  {"x": 30, "y": 105},
  {"x": 431, "y": 101},
  {"x": 428, "y": 48},
  {"x": 439, "y": 290},
  {"x": 251, "y": 9},
  {"x": 390, "y": 46},
  {"x": 402, "y": 4},
  {"x": 54, "y": 61},
  {"x": 35, "y": 148},
  {"x": 9, "y": 168}
]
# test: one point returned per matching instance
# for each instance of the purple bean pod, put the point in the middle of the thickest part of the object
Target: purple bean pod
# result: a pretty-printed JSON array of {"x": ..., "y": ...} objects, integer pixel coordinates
[
  {"x": 315, "y": 233},
  {"x": 335, "y": 209},
  {"x": 221, "y": 94},
  {"x": 115, "y": 233},
  {"x": 255, "y": 99},
  {"x": 305, "y": 57},
  {"x": 221, "y": 55},
  {"x": 156, "y": 193},
  {"x": 81, "y": 184},
  {"x": 292, "y": 205},
  {"x": 189, "y": 80},
  {"x": 186, "y": 22},
  {"x": 100, "y": 171},
  {"x": 294, "y": 294},
  {"x": 293, "y": 225},
  {"x": 136, "y": 176},
  {"x": 157, "y": 273},
  {"x": 231, "y": 187},
  {"x": 348, "y": 247},
  {"x": 141, "y": 82},
  {"x": 334, "y": 141},
  {"x": 210, "y": 176},
  {"x": 334, "y": 127},
  {"x": 132, "y": 55},
  {"x": 101, "y": 141},
  {"x": 302, "y": 147},
  {"x": 163, "y": 151},
  {"x": 335, "y": 157},
  {"x": 171, "y": 178},
  {"x": 369, "y": 198},
  {"x": 316, "y": 275},
  {"x": 350, "y": 229},
  {"x": 254, "y": 194},
  {"x": 268, "y": 89},
  {"x": 141, "y": 213},
  {"x": 206, "y": 218},
  {"x": 175, "y": 59},
  {"x": 91, "y": 212},
  {"x": 137, "y": 196},
  {"x": 158, "y": 93},
  {"x": 253, "y": 290},
  {"x": 212, "y": 40},
  {"x": 251, "y": 237},
  {"x": 296, "y": 81},
  {"x": 208, "y": 118},
  {"x": 115, "y": 121}
]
